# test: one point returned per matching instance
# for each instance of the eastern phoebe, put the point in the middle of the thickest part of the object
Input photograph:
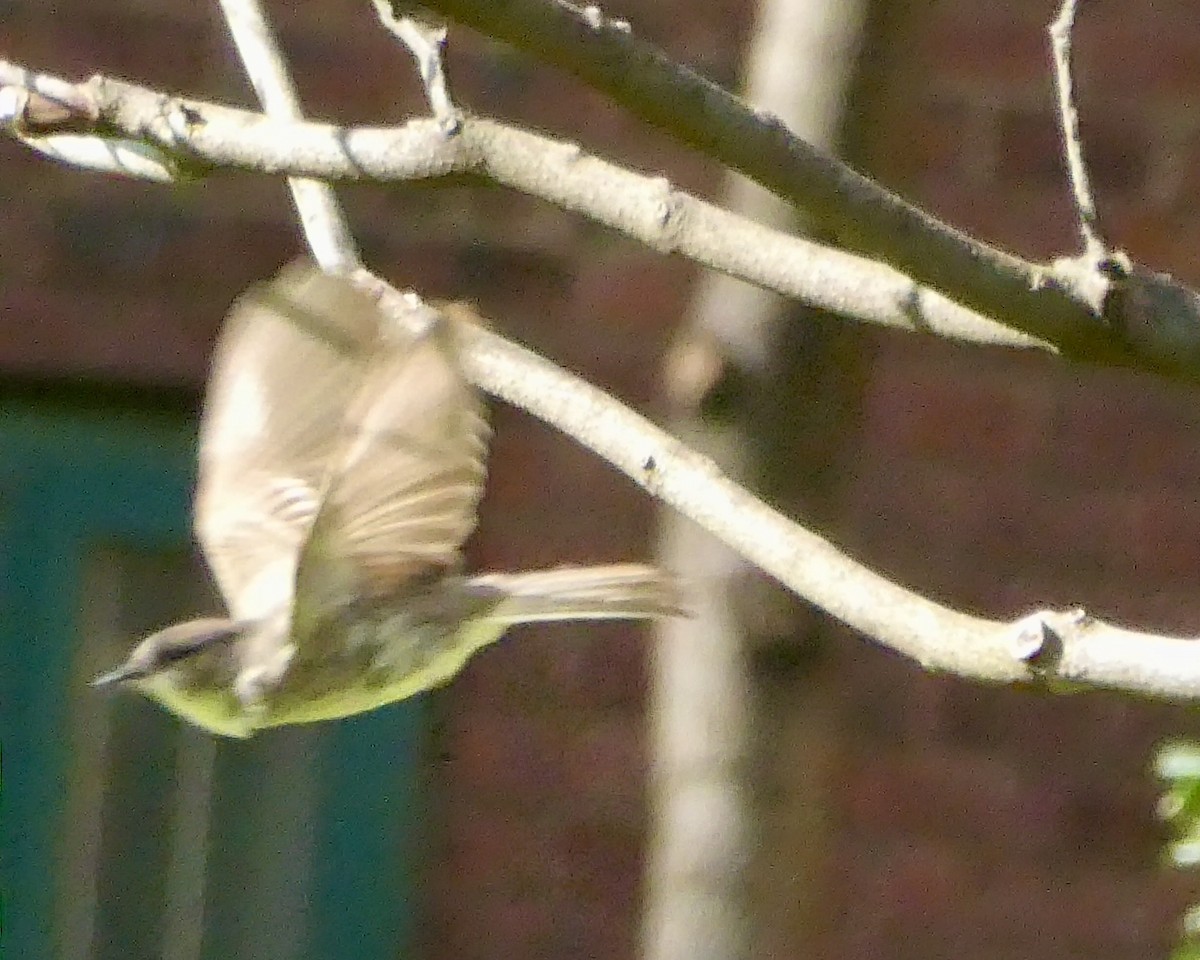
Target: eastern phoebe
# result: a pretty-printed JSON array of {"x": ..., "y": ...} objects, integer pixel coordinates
[{"x": 341, "y": 462}]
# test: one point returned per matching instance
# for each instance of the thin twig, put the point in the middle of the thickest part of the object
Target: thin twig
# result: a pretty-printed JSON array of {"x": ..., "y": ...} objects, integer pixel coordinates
[
  {"x": 1095, "y": 246},
  {"x": 321, "y": 217},
  {"x": 426, "y": 41}
]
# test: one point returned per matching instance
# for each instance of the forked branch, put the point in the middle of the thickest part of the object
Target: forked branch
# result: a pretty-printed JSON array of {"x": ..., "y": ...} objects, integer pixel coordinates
[{"x": 179, "y": 134}]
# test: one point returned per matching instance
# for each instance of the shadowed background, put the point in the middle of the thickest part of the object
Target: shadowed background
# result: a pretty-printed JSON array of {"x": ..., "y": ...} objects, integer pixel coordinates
[{"x": 953, "y": 818}]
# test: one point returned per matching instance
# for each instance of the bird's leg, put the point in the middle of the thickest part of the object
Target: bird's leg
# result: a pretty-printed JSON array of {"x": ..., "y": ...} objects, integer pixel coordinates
[{"x": 255, "y": 683}]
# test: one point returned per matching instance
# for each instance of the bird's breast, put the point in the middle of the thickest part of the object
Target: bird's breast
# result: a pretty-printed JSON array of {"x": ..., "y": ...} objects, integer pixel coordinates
[{"x": 342, "y": 660}]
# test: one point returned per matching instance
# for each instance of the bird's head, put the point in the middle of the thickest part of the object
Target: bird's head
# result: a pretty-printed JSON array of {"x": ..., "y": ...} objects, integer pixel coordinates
[{"x": 194, "y": 644}]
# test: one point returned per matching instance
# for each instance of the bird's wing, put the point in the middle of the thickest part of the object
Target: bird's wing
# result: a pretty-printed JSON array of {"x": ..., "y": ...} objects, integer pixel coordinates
[
  {"x": 291, "y": 357},
  {"x": 410, "y": 470}
]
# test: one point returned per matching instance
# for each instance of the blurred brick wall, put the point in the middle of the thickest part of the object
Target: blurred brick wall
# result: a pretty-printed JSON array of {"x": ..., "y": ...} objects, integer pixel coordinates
[
  {"x": 986, "y": 822},
  {"x": 961, "y": 820}
]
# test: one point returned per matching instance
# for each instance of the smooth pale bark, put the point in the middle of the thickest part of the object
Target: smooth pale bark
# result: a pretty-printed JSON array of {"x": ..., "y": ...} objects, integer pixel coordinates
[{"x": 710, "y": 892}]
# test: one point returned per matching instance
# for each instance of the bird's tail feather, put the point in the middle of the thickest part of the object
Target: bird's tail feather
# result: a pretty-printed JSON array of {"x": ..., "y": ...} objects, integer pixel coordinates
[{"x": 621, "y": 591}]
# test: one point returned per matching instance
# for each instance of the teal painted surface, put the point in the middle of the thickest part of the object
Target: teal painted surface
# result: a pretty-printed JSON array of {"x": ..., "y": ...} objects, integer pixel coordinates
[
  {"x": 63, "y": 482},
  {"x": 359, "y": 832},
  {"x": 71, "y": 479}
]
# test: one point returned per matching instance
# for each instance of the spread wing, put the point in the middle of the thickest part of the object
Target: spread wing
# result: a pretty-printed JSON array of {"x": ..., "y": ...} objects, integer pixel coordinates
[
  {"x": 408, "y": 475},
  {"x": 291, "y": 357}
]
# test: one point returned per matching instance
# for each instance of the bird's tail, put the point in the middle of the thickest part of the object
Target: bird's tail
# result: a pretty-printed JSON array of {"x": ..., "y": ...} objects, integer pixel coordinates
[{"x": 628, "y": 591}]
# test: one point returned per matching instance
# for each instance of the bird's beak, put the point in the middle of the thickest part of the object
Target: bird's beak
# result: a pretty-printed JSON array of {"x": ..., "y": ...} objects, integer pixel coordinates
[{"x": 121, "y": 674}]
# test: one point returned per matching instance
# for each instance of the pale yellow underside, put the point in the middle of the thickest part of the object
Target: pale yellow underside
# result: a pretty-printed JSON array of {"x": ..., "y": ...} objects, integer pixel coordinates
[{"x": 220, "y": 712}]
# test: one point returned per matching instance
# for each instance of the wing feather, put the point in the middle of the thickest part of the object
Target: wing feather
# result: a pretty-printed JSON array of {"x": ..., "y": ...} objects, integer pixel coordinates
[
  {"x": 404, "y": 494},
  {"x": 290, "y": 358}
]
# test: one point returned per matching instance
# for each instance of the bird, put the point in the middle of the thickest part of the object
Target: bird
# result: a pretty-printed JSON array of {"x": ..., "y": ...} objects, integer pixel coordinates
[{"x": 341, "y": 463}]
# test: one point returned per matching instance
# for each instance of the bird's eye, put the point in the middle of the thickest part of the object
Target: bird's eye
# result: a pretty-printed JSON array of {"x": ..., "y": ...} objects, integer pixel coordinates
[
  {"x": 188, "y": 647},
  {"x": 182, "y": 651}
]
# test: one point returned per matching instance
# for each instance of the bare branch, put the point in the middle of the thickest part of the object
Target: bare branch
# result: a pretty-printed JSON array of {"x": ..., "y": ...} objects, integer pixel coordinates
[
  {"x": 1041, "y": 647},
  {"x": 112, "y": 155},
  {"x": 1045, "y": 645},
  {"x": 859, "y": 213},
  {"x": 1161, "y": 335},
  {"x": 321, "y": 216},
  {"x": 1157, "y": 316},
  {"x": 1073, "y": 302},
  {"x": 645, "y": 208}
]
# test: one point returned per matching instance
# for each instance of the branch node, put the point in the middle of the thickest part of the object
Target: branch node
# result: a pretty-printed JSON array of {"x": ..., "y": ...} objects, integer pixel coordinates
[
  {"x": 182, "y": 121},
  {"x": 1037, "y": 644},
  {"x": 669, "y": 207},
  {"x": 1158, "y": 316}
]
